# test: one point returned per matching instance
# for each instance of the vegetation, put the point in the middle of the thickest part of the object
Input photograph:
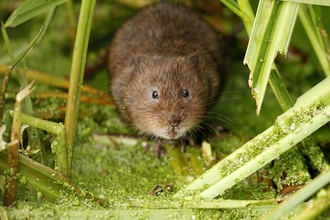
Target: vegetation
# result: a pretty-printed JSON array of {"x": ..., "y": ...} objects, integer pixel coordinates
[{"x": 64, "y": 152}]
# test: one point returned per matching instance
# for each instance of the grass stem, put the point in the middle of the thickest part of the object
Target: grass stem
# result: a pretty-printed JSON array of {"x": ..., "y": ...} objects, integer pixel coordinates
[{"x": 76, "y": 76}]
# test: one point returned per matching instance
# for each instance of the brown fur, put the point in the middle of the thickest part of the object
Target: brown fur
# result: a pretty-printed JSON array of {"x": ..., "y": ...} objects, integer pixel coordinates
[{"x": 168, "y": 49}]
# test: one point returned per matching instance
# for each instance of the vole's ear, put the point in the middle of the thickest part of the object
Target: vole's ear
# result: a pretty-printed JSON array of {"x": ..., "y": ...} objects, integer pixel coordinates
[
  {"x": 135, "y": 60},
  {"x": 194, "y": 59},
  {"x": 135, "y": 64}
]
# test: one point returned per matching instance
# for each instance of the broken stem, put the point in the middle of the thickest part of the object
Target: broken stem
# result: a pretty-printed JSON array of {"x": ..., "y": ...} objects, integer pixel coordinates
[{"x": 13, "y": 153}]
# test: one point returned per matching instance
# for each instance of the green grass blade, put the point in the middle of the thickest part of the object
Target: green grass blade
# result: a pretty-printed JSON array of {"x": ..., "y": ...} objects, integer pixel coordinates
[
  {"x": 30, "y": 9},
  {"x": 48, "y": 21},
  {"x": 271, "y": 34},
  {"x": 7, "y": 42},
  {"x": 234, "y": 7},
  {"x": 313, "y": 2},
  {"x": 280, "y": 91},
  {"x": 241, "y": 8},
  {"x": 14, "y": 62},
  {"x": 309, "y": 23}
]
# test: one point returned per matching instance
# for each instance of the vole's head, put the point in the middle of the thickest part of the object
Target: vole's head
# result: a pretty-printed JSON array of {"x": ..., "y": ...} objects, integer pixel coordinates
[{"x": 167, "y": 96}]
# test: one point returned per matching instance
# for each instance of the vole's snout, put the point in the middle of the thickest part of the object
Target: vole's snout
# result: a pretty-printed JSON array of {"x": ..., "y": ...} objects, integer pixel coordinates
[{"x": 174, "y": 121}]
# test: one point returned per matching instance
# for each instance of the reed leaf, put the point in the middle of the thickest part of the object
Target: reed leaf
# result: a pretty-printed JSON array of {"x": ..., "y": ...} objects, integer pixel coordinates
[
  {"x": 271, "y": 34},
  {"x": 314, "y": 35},
  {"x": 30, "y": 9},
  {"x": 313, "y": 2}
]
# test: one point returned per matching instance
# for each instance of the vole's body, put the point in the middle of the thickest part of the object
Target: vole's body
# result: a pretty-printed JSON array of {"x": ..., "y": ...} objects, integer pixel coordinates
[{"x": 165, "y": 70}]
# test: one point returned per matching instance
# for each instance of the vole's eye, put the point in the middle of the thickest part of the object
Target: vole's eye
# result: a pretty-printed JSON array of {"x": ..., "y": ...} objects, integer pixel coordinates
[
  {"x": 185, "y": 93},
  {"x": 155, "y": 95}
]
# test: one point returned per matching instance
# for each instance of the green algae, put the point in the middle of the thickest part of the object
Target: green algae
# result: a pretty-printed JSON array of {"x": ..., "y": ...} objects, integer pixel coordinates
[{"x": 290, "y": 169}]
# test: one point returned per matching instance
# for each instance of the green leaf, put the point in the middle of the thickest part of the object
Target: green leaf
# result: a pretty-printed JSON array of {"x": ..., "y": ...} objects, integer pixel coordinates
[
  {"x": 310, "y": 25},
  {"x": 30, "y": 9},
  {"x": 233, "y": 6},
  {"x": 271, "y": 34},
  {"x": 312, "y": 2}
]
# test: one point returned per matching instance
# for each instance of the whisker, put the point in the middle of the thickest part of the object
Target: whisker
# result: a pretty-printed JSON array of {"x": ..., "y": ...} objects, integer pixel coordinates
[
  {"x": 221, "y": 94},
  {"x": 224, "y": 119},
  {"x": 217, "y": 115},
  {"x": 212, "y": 128}
]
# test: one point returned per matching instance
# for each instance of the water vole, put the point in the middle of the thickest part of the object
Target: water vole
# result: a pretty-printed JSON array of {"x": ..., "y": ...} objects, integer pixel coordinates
[{"x": 165, "y": 67}]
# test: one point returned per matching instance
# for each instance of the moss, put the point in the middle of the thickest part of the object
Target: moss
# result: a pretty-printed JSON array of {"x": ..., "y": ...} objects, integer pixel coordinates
[
  {"x": 227, "y": 143},
  {"x": 256, "y": 187},
  {"x": 316, "y": 157},
  {"x": 238, "y": 214},
  {"x": 290, "y": 169},
  {"x": 120, "y": 175}
]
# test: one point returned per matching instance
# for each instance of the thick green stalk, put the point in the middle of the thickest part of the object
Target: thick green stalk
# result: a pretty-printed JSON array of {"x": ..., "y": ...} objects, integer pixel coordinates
[
  {"x": 76, "y": 76},
  {"x": 51, "y": 127},
  {"x": 310, "y": 112},
  {"x": 273, "y": 147},
  {"x": 314, "y": 2}
]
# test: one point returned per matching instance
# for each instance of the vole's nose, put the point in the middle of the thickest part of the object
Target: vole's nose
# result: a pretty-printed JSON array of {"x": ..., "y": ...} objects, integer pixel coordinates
[{"x": 174, "y": 121}]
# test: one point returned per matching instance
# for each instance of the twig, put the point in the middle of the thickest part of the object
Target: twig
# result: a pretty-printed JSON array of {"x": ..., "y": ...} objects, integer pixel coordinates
[{"x": 12, "y": 163}]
